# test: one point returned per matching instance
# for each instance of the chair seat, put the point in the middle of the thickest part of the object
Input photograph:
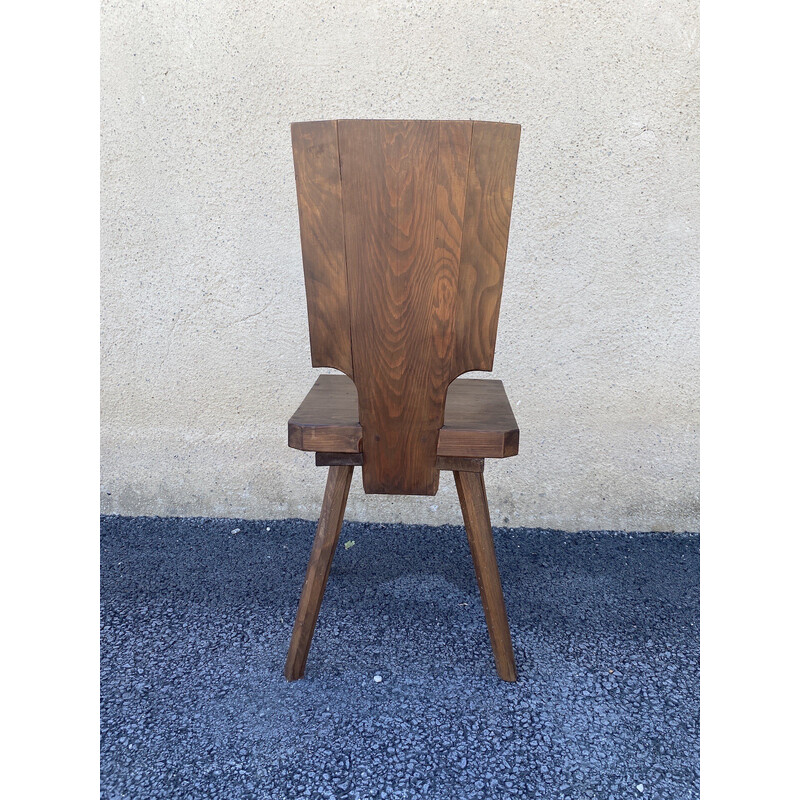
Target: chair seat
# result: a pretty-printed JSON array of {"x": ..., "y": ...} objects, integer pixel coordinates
[{"x": 478, "y": 420}]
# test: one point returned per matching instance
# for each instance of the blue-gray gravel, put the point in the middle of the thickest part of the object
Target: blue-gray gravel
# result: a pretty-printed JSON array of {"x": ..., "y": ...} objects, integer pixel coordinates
[{"x": 196, "y": 621}]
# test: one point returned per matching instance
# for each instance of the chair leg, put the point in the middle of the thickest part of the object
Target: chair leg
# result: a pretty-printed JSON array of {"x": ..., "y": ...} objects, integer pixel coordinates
[
  {"x": 472, "y": 495},
  {"x": 319, "y": 566}
]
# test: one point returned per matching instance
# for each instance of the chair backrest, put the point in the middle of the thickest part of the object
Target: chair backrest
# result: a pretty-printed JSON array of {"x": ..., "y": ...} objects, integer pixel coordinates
[{"x": 404, "y": 229}]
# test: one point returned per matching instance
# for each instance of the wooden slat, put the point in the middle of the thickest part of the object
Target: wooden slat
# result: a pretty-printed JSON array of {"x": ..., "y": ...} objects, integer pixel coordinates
[
  {"x": 339, "y": 459},
  {"x": 401, "y": 260},
  {"x": 487, "y": 216},
  {"x": 459, "y": 464},
  {"x": 451, "y": 192},
  {"x": 446, "y": 463},
  {"x": 319, "y": 201}
]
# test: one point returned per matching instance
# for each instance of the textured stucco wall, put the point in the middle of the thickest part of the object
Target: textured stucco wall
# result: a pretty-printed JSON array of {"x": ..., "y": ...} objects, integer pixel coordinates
[{"x": 204, "y": 337}]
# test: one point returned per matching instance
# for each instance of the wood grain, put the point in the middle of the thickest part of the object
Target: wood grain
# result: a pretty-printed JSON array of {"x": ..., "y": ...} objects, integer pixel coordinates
[
  {"x": 404, "y": 230},
  {"x": 398, "y": 272},
  {"x": 319, "y": 202},
  {"x": 472, "y": 496},
  {"x": 455, "y": 139},
  {"x": 487, "y": 217},
  {"x": 404, "y": 226},
  {"x": 478, "y": 420},
  {"x": 459, "y": 464},
  {"x": 327, "y": 419},
  {"x": 319, "y": 567},
  {"x": 443, "y": 463}
]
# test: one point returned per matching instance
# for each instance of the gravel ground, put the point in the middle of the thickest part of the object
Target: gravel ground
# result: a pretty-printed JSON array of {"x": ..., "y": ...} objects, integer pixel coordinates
[{"x": 196, "y": 619}]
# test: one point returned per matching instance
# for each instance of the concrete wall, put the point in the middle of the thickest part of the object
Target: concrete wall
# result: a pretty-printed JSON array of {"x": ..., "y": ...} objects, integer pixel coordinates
[{"x": 204, "y": 338}]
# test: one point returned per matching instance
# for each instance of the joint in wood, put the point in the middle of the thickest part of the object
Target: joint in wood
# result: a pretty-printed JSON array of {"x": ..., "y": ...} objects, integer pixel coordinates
[{"x": 340, "y": 460}]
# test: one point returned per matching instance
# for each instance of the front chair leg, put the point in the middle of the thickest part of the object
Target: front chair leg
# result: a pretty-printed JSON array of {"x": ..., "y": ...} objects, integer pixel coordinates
[
  {"x": 472, "y": 495},
  {"x": 319, "y": 566}
]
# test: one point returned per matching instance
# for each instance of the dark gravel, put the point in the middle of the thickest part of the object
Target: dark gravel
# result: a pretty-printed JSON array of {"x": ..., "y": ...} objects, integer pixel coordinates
[{"x": 196, "y": 621}]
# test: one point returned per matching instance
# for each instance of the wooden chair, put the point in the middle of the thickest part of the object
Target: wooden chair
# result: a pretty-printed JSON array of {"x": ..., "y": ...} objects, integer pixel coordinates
[{"x": 404, "y": 229}]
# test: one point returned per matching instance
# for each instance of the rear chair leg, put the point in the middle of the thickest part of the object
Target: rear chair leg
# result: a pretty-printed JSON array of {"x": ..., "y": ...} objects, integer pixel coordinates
[
  {"x": 472, "y": 495},
  {"x": 319, "y": 566}
]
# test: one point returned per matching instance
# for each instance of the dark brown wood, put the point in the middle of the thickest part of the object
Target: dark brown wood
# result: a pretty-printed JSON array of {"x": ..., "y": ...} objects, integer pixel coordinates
[
  {"x": 487, "y": 217},
  {"x": 319, "y": 201},
  {"x": 455, "y": 141},
  {"x": 319, "y": 566},
  {"x": 478, "y": 420},
  {"x": 404, "y": 229},
  {"x": 404, "y": 226},
  {"x": 339, "y": 459},
  {"x": 459, "y": 464},
  {"x": 448, "y": 463},
  {"x": 398, "y": 272},
  {"x": 327, "y": 419},
  {"x": 474, "y": 506}
]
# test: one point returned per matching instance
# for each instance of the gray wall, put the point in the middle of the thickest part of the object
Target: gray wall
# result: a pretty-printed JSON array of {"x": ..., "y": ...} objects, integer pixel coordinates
[{"x": 204, "y": 338}]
